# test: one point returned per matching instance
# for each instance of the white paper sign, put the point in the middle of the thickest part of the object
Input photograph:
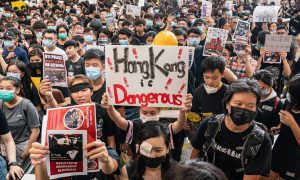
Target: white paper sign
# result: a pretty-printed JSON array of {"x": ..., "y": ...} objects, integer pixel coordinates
[
  {"x": 206, "y": 9},
  {"x": 92, "y": 1},
  {"x": 141, "y": 3},
  {"x": 278, "y": 43},
  {"x": 241, "y": 30},
  {"x": 154, "y": 76},
  {"x": 215, "y": 41},
  {"x": 133, "y": 10},
  {"x": 266, "y": 14}
]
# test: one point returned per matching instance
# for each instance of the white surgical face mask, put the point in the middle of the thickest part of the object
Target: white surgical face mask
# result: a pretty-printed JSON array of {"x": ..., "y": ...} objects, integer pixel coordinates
[
  {"x": 149, "y": 118},
  {"x": 210, "y": 90}
]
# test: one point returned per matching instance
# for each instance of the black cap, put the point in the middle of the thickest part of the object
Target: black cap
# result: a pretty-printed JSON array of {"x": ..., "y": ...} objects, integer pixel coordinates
[{"x": 9, "y": 34}]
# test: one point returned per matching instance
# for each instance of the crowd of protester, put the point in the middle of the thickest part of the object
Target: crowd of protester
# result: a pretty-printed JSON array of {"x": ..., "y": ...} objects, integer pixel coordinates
[{"x": 250, "y": 109}]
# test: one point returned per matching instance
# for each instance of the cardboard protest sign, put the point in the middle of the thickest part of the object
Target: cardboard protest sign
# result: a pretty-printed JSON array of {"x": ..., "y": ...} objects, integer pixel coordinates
[
  {"x": 170, "y": 6},
  {"x": 66, "y": 156},
  {"x": 278, "y": 43},
  {"x": 54, "y": 69},
  {"x": 110, "y": 20},
  {"x": 266, "y": 13},
  {"x": 133, "y": 10},
  {"x": 154, "y": 76},
  {"x": 241, "y": 30},
  {"x": 272, "y": 58},
  {"x": 206, "y": 9},
  {"x": 215, "y": 41},
  {"x": 76, "y": 123}
]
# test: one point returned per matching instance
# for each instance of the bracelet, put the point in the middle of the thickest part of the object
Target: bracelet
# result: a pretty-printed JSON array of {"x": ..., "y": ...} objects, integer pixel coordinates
[{"x": 50, "y": 99}]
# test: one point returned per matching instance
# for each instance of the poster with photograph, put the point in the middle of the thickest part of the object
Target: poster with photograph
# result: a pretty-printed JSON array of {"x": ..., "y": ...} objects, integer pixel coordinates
[
  {"x": 66, "y": 156},
  {"x": 54, "y": 69},
  {"x": 266, "y": 13},
  {"x": 71, "y": 119},
  {"x": 215, "y": 41},
  {"x": 278, "y": 43},
  {"x": 272, "y": 58},
  {"x": 110, "y": 20},
  {"x": 206, "y": 9},
  {"x": 153, "y": 76},
  {"x": 241, "y": 30}
]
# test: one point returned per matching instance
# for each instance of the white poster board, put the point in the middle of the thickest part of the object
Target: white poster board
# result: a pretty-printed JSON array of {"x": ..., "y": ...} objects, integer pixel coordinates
[
  {"x": 278, "y": 43},
  {"x": 266, "y": 14},
  {"x": 206, "y": 9},
  {"x": 154, "y": 76},
  {"x": 141, "y": 3},
  {"x": 133, "y": 10}
]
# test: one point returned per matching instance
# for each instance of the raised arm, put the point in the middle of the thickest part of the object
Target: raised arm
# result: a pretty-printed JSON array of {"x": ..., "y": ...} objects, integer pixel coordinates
[{"x": 46, "y": 90}]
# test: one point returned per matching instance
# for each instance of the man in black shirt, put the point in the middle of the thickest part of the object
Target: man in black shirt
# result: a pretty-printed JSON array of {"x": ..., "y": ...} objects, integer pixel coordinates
[
  {"x": 75, "y": 63},
  {"x": 209, "y": 95},
  {"x": 139, "y": 26},
  {"x": 227, "y": 150}
]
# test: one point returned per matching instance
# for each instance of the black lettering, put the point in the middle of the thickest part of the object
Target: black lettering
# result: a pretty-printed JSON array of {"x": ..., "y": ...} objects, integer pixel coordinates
[{"x": 120, "y": 60}]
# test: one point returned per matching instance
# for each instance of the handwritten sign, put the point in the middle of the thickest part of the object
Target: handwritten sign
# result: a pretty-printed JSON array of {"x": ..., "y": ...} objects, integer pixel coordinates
[
  {"x": 215, "y": 41},
  {"x": 278, "y": 43},
  {"x": 266, "y": 14},
  {"x": 206, "y": 9},
  {"x": 133, "y": 10},
  {"x": 154, "y": 76},
  {"x": 55, "y": 69}
]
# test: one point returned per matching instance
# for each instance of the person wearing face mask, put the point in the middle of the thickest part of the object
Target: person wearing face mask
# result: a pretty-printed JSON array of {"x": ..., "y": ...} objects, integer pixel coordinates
[
  {"x": 28, "y": 37},
  {"x": 8, "y": 15},
  {"x": 201, "y": 25},
  {"x": 149, "y": 23},
  {"x": 75, "y": 63},
  {"x": 150, "y": 37},
  {"x": 103, "y": 38},
  {"x": 21, "y": 115},
  {"x": 39, "y": 27},
  {"x": 270, "y": 104},
  {"x": 129, "y": 129},
  {"x": 153, "y": 153},
  {"x": 36, "y": 66},
  {"x": 220, "y": 139},
  {"x": 49, "y": 43},
  {"x": 11, "y": 51},
  {"x": 126, "y": 38},
  {"x": 89, "y": 36},
  {"x": 63, "y": 33},
  {"x": 209, "y": 95}
]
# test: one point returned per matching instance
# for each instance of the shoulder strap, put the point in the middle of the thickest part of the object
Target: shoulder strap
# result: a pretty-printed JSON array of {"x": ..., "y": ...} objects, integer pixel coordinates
[
  {"x": 213, "y": 127},
  {"x": 252, "y": 143},
  {"x": 277, "y": 100}
]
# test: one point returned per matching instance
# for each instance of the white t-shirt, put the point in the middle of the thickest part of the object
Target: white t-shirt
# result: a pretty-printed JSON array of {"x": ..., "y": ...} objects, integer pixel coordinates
[{"x": 59, "y": 51}]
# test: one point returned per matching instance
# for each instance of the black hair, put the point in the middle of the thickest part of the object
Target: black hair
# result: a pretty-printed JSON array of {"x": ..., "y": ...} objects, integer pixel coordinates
[
  {"x": 261, "y": 37},
  {"x": 212, "y": 63},
  {"x": 39, "y": 25},
  {"x": 148, "y": 16},
  {"x": 94, "y": 53},
  {"x": 293, "y": 89},
  {"x": 242, "y": 85},
  {"x": 194, "y": 170},
  {"x": 49, "y": 31},
  {"x": 282, "y": 27},
  {"x": 62, "y": 26},
  {"x": 71, "y": 43},
  {"x": 179, "y": 32},
  {"x": 79, "y": 39},
  {"x": 140, "y": 21},
  {"x": 265, "y": 76},
  {"x": 127, "y": 23},
  {"x": 150, "y": 34},
  {"x": 151, "y": 129},
  {"x": 229, "y": 48},
  {"x": 194, "y": 30},
  {"x": 14, "y": 80},
  {"x": 37, "y": 46},
  {"x": 126, "y": 32}
]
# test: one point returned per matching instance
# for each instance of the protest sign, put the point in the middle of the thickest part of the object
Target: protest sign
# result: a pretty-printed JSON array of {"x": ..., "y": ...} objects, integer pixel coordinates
[
  {"x": 170, "y": 6},
  {"x": 266, "y": 13},
  {"x": 109, "y": 20},
  {"x": 272, "y": 58},
  {"x": 66, "y": 156},
  {"x": 276, "y": 2},
  {"x": 133, "y": 10},
  {"x": 206, "y": 9},
  {"x": 240, "y": 45},
  {"x": 54, "y": 69},
  {"x": 154, "y": 76},
  {"x": 76, "y": 123},
  {"x": 278, "y": 43},
  {"x": 215, "y": 41},
  {"x": 241, "y": 30},
  {"x": 141, "y": 3}
]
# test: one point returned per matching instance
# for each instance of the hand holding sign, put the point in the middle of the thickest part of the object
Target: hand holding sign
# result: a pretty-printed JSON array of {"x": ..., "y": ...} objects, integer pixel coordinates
[
  {"x": 98, "y": 151},
  {"x": 38, "y": 153},
  {"x": 187, "y": 103},
  {"x": 104, "y": 102}
]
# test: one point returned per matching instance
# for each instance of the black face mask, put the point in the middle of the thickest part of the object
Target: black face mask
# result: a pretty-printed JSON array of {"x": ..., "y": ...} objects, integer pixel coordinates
[
  {"x": 241, "y": 116},
  {"x": 28, "y": 36},
  {"x": 152, "y": 162},
  {"x": 35, "y": 66}
]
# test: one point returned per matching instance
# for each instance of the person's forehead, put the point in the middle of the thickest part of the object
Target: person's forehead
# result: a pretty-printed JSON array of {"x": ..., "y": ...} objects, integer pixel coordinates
[
  {"x": 49, "y": 35},
  {"x": 246, "y": 96}
]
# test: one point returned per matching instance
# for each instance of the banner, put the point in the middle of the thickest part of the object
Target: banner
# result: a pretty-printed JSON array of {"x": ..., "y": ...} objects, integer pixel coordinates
[
  {"x": 66, "y": 130},
  {"x": 54, "y": 69},
  {"x": 266, "y": 13},
  {"x": 133, "y": 10},
  {"x": 241, "y": 30},
  {"x": 154, "y": 76},
  {"x": 278, "y": 43},
  {"x": 206, "y": 9},
  {"x": 215, "y": 41}
]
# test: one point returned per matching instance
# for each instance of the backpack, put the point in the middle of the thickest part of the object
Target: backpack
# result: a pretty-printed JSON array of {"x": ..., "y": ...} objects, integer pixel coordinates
[{"x": 251, "y": 145}]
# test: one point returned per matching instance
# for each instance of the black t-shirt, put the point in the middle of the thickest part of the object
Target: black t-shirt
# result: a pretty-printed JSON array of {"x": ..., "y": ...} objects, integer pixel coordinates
[
  {"x": 78, "y": 67},
  {"x": 97, "y": 95},
  {"x": 3, "y": 124},
  {"x": 60, "y": 46},
  {"x": 276, "y": 70},
  {"x": 196, "y": 66},
  {"x": 228, "y": 151},
  {"x": 141, "y": 38},
  {"x": 208, "y": 103},
  {"x": 255, "y": 52}
]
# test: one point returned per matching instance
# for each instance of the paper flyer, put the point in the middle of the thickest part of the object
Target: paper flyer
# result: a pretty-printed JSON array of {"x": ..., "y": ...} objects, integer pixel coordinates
[{"x": 215, "y": 41}]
